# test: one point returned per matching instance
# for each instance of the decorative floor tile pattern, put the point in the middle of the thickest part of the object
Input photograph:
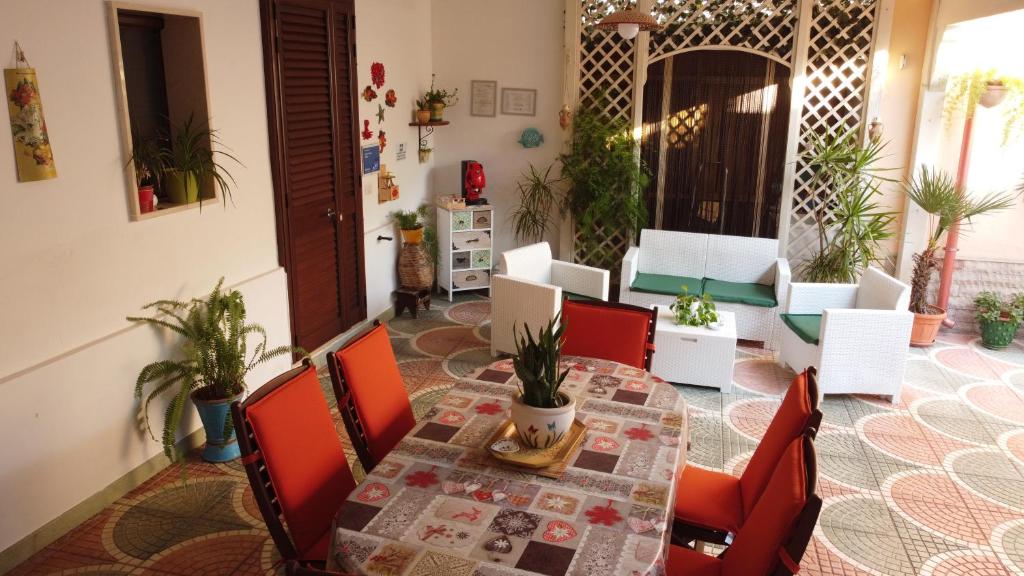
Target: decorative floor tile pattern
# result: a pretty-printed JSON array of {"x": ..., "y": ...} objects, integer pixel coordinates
[{"x": 933, "y": 487}]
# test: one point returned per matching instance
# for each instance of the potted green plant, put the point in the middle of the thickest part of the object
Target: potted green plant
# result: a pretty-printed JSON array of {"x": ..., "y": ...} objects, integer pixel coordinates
[
  {"x": 691, "y": 310},
  {"x": 148, "y": 163},
  {"x": 850, "y": 222},
  {"x": 998, "y": 319},
  {"x": 214, "y": 359},
  {"x": 415, "y": 263},
  {"x": 538, "y": 197},
  {"x": 604, "y": 184},
  {"x": 541, "y": 413},
  {"x": 190, "y": 163},
  {"x": 946, "y": 204},
  {"x": 422, "y": 111},
  {"x": 438, "y": 99},
  {"x": 964, "y": 92}
]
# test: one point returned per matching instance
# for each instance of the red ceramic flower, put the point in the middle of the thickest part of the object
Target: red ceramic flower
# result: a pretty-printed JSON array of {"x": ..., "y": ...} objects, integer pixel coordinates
[
  {"x": 377, "y": 74},
  {"x": 606, "y": 515},
  {"x": 368, "y": 94},
  {"x": 642, "y": 434},
  {"x": 421, "y": 479},
  {"x": 390, "y": 98}
]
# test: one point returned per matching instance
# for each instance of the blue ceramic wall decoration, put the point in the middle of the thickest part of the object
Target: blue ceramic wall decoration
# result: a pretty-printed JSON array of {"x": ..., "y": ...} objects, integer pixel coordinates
[{"x": 531, "y": 138}]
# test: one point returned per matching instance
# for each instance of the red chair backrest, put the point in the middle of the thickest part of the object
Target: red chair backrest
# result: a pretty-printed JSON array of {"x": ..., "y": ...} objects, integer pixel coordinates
[
  {"x": 610, "y": 331},
  {"x": 797, "y": 412},
  {"x": 293, "y": 457},
  {"x": 371, "y": 395},
  {"x": 760, "y": 546}
]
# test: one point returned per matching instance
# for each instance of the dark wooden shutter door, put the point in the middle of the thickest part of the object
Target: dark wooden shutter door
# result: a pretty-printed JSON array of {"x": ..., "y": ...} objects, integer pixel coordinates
[{"x": 313, "y": 129}]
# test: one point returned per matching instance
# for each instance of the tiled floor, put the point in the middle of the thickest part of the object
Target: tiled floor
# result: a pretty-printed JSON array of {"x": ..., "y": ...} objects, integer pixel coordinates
[{"x": 935, "y": 487}]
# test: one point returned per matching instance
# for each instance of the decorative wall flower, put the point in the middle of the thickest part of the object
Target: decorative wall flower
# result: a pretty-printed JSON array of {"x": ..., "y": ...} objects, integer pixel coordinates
[{"x": 377, "y": 74}]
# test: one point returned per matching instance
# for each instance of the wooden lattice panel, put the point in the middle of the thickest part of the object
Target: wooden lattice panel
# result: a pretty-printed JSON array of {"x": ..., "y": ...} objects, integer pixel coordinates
[
  {"x": 606, "y": 64},
  {"x": 838, "y": 59},
  {"x": 605, "y": 249},
  {"x": 768, "y": 28}
]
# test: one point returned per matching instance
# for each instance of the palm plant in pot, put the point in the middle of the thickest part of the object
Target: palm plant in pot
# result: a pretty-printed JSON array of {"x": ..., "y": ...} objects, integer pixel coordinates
[
  {"x": 998, "y": 319},
  {"x": 947, "y": 204},
  {"x": 418, "y": 254},
  {"x": 542, "y": 414},
  {"x": 210, "y": 370},
  {"x": 190, "y": 163}
]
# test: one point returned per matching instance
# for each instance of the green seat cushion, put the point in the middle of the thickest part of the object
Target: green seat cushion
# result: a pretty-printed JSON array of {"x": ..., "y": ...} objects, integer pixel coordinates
[
  {"x": 577, "y": 297},
  {"x": 665, "y": 284},
  {"x": 741, "y": 293},
  {"x": 806, "y": 326}
]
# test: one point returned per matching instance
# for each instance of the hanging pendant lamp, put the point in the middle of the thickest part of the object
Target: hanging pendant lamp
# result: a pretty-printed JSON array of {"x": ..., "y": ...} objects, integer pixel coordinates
[{"x": 629, "y": 22}]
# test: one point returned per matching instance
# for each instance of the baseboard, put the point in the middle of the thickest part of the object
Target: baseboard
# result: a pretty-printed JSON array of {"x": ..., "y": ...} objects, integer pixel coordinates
[{"x": 54, "y": 529}]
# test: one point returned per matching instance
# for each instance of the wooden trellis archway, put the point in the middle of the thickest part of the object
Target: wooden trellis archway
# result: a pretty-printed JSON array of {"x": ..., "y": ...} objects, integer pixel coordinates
[{"x": 833, "y": 47}]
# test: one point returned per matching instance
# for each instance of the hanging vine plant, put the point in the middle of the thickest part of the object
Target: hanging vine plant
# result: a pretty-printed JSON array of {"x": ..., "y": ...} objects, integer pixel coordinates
[{"x": 987, "y": 87}]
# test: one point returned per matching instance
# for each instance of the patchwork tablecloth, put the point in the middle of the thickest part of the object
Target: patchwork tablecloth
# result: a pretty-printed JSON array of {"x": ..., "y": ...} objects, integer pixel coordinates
[{"x": 439, "y": 504}]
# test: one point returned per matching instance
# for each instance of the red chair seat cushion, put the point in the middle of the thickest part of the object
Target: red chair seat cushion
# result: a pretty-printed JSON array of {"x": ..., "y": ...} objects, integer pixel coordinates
[
  {"x": 304, "y": 457},
  {"x": 378, "y": 391},
  {"x": 755, "y": 549},
  {"x": 600, "y": 331},
  {"x": 709, "y": 499},
  {"x": 789, "y": 423},
  {"x": 685, "y": 562}
]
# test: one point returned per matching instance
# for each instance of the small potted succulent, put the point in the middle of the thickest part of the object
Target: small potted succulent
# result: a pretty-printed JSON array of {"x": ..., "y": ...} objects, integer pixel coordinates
[
  {"x": 422, "y": 111},
  {"x": 693, "y": 310},
  {"x": 541, "y": 413},
  {"x": 998, "y": 318},
  {"x": 438, "y": 99}
]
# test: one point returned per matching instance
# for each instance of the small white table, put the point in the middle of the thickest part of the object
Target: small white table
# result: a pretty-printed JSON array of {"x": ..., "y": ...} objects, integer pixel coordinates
[{"x": 695, "y": 355}]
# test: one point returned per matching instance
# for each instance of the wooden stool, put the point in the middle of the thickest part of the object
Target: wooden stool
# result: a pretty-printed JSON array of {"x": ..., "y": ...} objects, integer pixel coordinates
[{"x": 411, "y": 299}]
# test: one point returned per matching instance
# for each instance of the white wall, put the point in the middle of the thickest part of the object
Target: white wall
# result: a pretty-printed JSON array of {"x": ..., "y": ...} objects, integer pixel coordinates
[
  {"x": 518, "y": 44},
  {"x": 74, "y": 265},
  {"x": 397, "y": 34}
]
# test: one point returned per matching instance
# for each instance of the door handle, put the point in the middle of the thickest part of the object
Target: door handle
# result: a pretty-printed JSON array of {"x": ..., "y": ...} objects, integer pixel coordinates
[{"x": 332, "y": 213}]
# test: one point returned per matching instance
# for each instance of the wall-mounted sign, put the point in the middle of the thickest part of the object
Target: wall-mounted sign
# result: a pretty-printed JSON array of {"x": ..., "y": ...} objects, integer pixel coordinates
[
  {"x": 371, "y": 159},
  {"x": 519, "y": 101},
  {"x": 483, "y": 98}
]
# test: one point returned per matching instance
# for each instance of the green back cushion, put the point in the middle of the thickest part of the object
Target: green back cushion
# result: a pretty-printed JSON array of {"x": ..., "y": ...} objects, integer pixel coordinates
[
  {"x": 741, "y": 293},
  {"x": 806, "y": 326},
  {"x": 665, "y": 284},
  {"x": 577, "y": 297}
]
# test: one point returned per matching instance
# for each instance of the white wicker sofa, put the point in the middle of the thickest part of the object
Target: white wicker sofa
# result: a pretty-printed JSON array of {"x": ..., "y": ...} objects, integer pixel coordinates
[
  {"x": 743, "y": 275},
  {"x": 530, "y": 290},
  {"x": 856, "y": 335}
]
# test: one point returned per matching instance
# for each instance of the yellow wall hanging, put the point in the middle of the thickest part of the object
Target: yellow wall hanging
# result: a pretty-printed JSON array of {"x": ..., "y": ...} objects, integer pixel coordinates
[{"x": 32, "y": 153}]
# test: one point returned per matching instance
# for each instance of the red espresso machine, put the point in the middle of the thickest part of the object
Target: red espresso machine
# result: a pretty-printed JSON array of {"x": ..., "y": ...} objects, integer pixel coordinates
[{"x": 473, "y": 182}]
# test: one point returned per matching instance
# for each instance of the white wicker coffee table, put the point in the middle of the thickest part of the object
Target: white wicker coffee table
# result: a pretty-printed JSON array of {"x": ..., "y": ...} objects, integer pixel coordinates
[{"x": 691, "y": 355}]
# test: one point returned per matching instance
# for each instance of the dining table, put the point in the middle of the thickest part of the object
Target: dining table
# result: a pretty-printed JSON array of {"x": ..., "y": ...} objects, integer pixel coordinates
[{"x": 440, "y": 504}]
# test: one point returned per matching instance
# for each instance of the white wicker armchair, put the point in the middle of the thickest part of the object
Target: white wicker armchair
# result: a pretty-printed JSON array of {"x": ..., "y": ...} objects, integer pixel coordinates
[
  {"x": 530, "y": 290},
  {"x": 862, "y": 339}
]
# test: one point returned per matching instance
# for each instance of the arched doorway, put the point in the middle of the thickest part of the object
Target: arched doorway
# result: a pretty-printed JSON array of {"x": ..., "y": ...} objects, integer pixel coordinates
[{"x": 715, "y": 128}]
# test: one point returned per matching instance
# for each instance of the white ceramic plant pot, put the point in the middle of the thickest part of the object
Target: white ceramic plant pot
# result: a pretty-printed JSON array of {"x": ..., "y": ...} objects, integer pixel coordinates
[{"x": 542, "y": 427}]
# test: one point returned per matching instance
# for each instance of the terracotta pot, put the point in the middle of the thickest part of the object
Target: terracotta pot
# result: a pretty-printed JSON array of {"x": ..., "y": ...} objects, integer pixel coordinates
[
  {"x": 422, "y": 116},
  {"x": 542, "y": 427},
  {"x": 926, "y": 327},
  {"x": 993, "y": 95}
]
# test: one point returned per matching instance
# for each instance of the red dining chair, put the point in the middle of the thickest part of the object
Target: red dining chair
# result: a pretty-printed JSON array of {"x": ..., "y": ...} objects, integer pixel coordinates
[
  {"x": 710, "y": 505},
  {"x": 778, "y": 529},
  {"x": 294, "y": 460},
  {"x": 371, "y": 395},
  {"x": 610, "y": 331}
]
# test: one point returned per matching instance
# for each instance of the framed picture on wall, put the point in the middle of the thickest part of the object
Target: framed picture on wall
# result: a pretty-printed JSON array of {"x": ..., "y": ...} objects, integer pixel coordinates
[
  {"x": 519, "y": 101},
  {"x": 483, "y": 98}
]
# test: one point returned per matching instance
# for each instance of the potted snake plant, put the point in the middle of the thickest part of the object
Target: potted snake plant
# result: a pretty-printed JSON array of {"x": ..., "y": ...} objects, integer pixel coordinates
[
  {"x": 210, "y": 369},
  {"x": 541, "y": 413}
]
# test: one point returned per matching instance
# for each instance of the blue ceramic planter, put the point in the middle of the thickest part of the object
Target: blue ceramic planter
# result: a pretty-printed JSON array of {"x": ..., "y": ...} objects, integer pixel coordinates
[{"x": 214, "y": 413}]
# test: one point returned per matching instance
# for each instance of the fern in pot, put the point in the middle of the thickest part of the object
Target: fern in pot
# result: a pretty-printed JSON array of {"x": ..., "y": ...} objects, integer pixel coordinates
[
  {"x": 541, "y": 412},
  {"x": 210, "y": 369}
]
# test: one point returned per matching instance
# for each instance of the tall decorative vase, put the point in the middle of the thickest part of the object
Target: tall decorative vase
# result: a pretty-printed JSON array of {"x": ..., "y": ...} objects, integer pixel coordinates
[
  {"x": 415, "y": 271},
  {"x": 214, "y": 413}
]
